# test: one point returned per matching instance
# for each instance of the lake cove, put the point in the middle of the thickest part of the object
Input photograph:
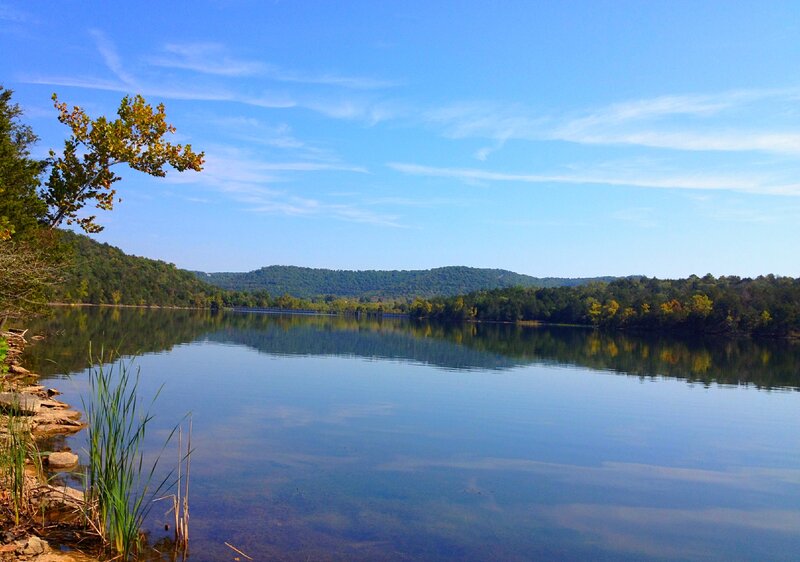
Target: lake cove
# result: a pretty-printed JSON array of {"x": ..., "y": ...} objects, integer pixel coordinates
[{"x": 330, "y": 438}]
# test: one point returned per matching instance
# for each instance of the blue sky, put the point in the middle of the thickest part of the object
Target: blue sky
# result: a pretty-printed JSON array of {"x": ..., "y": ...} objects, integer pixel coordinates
[{"x": 550, "y": 138}]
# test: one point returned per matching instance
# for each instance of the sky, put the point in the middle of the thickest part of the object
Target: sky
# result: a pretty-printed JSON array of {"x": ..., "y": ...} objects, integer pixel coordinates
[{"x": 572, "y": 139}]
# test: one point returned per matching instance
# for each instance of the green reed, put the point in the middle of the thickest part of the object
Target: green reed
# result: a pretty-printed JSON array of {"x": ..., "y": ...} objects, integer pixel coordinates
[
  {"x": 119, "y": 486},
  {"x": 16, "y": 448}
]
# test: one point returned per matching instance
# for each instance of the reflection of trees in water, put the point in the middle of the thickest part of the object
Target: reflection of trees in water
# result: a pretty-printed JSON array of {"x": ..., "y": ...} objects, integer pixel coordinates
[
  {"x": 70, "y": 330},
  {"x": 766, "y": 364}
]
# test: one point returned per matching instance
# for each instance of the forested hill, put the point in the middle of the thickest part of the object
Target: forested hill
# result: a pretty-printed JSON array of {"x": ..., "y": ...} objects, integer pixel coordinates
[
  {"x": 306, "y": 283},
  {"x": 103, "y": 274}
]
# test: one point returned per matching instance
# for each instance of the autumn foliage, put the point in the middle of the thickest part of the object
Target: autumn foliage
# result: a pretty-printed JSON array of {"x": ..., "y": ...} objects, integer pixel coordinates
[{"x": 82, "y": 173}]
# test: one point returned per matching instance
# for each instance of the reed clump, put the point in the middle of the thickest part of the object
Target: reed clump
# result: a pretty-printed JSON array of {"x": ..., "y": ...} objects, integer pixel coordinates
[
  {"x": 119, "y": 487},
  {"x": 17, "y": 451}
]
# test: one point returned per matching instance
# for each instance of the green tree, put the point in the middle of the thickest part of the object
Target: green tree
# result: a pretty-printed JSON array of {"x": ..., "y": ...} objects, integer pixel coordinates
[
  {"x": 82, "y": 173},
  {"x": 20, "y": 205}
]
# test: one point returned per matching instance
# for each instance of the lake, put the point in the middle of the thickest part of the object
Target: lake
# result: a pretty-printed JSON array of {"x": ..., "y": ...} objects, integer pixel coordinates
[{"x": 329, "y": 438}]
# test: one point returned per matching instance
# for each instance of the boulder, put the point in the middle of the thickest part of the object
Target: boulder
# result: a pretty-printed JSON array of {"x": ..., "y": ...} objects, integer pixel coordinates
[
  {"x": 21, "y": 402},
  {"x": 18, "y": 370},
  {"x": 34, "y": 546},
  {"x": 62, "y": 459}
]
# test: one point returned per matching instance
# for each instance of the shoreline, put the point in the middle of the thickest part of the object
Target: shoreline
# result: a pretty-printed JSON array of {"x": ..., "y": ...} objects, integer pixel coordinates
[{"x": 47, "y": 418}]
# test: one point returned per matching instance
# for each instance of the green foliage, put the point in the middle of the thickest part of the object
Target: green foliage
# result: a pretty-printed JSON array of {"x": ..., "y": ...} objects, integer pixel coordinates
[
  {"x": 16, "y": 448},
  {"x": 728, "y": 305},
  {"x": 82, "y": 173},
  {"x": 103, "y": 274},
  {"x": 119, "y": 489},
  {"x": 20, "y": 206},
  {"x": 31, "y": 257},
  {"x": 308, "y": 283},
  {"x": 3, "y": 355}
]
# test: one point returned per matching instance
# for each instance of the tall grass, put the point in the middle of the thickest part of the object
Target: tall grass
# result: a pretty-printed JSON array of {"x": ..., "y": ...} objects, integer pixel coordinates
[
  {"x": 16, "y": 448},
  {"x": 119, "y": 487},
  {"x": 180, "y": 501}
]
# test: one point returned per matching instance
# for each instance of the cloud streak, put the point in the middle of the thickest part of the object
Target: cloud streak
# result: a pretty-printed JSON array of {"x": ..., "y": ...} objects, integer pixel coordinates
[
  {"x": 601, "y": 177},
  {"x": 692, "y": 123},
  {"x": 256, "y": 184},
  {"x": 213, "y": 58}
]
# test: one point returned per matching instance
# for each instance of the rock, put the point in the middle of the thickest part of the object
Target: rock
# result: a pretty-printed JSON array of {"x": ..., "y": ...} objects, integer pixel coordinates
[
  {"x": 34, "y": 546},
  {"x": 23, "y": 403},
  {"x": 19, "y": 370},
  {"x": 55, "y": 404},
  {"x": 36, "y": 389},
  {"x": 53, "y": 392},
  {"x": 62, "y": 495},
  {"x": 59, "y": 557},
  {"x": 63, "y": 459}
]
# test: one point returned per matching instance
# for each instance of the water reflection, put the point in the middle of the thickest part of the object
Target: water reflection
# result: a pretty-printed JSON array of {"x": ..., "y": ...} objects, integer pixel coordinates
[
  {"x": 763, "y": 363},
  {"x": 324, "y": 438}
]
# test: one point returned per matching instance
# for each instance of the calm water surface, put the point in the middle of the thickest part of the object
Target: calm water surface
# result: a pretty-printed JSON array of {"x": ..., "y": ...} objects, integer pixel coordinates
[{"x": 321, "y": 438}]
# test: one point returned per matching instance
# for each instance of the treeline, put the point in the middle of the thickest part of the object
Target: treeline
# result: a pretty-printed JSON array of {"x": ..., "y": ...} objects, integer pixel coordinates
[
  {"x": 767, "y": 305},
  {"x": 103, "y": 274},
  {"x": 371, "y": 285}
]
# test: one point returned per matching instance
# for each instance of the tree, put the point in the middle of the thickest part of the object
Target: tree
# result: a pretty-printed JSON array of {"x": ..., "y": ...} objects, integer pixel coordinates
[
  {"x": 28, "y": 259},
  {"x": 82, "y": 173},
  {"x": 32, "y": 256},
  {"x": 27, "y": 273},
  {"x": 20, "y": 206}
]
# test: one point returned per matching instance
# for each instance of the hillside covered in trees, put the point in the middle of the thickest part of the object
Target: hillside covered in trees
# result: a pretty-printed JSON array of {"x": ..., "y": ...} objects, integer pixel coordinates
[
  {"x": 307, "y": 283},
  {"x": 102, "y": 274},
  {"x": 767, "y": 305}
]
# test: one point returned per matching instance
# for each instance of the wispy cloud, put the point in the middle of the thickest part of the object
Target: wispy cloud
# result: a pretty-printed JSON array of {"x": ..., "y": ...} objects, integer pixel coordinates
[
  {"x": 716, "y": 141},
  {"x": 354, "y": 108},
  {"x": 675, "y": 122},
  {"x": 258, "y": 185},
  {"x": 206, "y": 58},
  {"x": 112, "y": 59},
  {"x": 328, "y": 79},
  {"x": 214, "y": 58},
  {"x": 278, "y": 137},
  {"x": 657, "y": 180},
  {"x": 198, "y": 57},
  {"x": 499, "y": 122}
]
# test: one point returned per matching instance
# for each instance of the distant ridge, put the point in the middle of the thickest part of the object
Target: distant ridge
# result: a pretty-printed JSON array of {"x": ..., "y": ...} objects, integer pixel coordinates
[{"x": 307, "y": 283}]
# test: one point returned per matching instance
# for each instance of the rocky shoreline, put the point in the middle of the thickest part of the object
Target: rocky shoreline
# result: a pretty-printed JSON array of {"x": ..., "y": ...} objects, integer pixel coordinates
[{"x": 45, "y": 417}]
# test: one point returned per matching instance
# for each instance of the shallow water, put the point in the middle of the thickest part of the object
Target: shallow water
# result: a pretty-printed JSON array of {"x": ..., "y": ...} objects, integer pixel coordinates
[{"x": 322, "y": 438}]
